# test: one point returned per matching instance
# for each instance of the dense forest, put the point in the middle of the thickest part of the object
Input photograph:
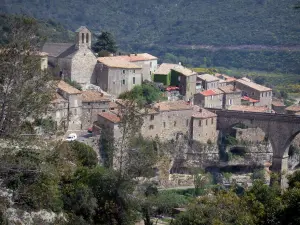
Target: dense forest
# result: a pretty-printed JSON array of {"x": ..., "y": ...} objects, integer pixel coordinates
[{"x": 169, "y": 28}]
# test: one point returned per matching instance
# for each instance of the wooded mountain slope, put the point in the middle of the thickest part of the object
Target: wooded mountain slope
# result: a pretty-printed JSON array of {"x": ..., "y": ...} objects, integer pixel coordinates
[{"x": 174, "y": 22}]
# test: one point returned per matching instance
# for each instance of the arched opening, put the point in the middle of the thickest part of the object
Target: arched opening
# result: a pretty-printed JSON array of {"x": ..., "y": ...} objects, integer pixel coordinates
[
  {"x": 293, "y": 148},
  {"x": 87, "y": 38},
  {"x": 82, "y": 38}
]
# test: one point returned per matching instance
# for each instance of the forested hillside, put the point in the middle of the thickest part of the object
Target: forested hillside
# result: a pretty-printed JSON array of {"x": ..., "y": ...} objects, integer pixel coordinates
[
  {"x": 174, "y": 22},
  {"x": 170, "y": 28}
]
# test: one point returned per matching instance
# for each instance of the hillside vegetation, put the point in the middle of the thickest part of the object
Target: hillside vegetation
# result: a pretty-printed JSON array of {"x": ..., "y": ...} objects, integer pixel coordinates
[{"x": 174, "y": 22}]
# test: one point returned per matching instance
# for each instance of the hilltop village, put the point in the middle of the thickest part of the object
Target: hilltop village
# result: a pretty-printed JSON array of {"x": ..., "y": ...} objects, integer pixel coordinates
[{"x": 191, "y": 98}]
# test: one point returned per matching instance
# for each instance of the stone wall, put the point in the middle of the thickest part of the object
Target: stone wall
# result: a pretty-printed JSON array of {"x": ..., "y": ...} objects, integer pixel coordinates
[
  {"x": 205, "y": 130},
  {"x": 83, "y": 66},
  {"x": 90, "y": 112}
]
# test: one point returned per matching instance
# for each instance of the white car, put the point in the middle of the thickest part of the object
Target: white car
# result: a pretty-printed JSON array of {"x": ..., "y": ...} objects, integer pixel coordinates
[{"x": 71, "y": 137}]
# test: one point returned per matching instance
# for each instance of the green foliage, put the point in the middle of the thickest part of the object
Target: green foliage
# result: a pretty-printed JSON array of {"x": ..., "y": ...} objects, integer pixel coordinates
[
  {"x": 85, "y": 154},
  {"x": 144, "y": 94},
  {"x": 230, "y": 140},
  {"x": 294, "y": 180},
  {"x": 105, "y": 44},
  {"x": 259, "y": 175},
  {"x": 47, "y": 124}
]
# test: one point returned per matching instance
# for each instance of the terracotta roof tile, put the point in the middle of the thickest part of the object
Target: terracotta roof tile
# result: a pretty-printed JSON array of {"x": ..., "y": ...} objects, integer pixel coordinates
[
  {"x": 249, "y": 108},
  {"x": 248, "y": 99},
  {"x": 93, "y": 96},
  {"x": 115, "y": 62},
  {"x": 211, "y": 92},
  {"x": 67, "y": 88},
  {"x": 137, "y": 57},
  {"x": 229, "y": 89},
  {"x": 253, "y": 85},
  {"x": 202, "y": 113},
  {"x": 208, "y": 77},
  {"x": 58, "y": 99},
  {"x": 172, "y": 106},
  {"x": 184, "y": 71},
  {"x": 294, "y": 108},
  {"x": 110, "y": 117},
  {"x": 113, "y": 105},
  {"x": 278, "y": 103},
  {"x": 165, "y": 68}
]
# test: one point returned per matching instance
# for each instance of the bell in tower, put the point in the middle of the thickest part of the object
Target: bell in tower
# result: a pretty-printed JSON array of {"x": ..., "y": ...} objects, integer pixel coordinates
[{"x": 83, "y": 38}]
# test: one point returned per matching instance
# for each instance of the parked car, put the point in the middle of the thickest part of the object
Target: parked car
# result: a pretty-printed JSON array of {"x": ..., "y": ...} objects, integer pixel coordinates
[{"x": 71, "y": 137}]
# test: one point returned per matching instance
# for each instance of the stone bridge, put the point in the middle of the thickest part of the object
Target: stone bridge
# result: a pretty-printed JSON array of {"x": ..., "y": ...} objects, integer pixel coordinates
[{"x": 279, "y": 128}]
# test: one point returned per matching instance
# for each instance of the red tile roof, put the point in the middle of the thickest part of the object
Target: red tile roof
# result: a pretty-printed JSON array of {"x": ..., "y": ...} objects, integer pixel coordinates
[
  {"x": 248, "y": 99},
  {"x": 67, "y": 88},
  {"x": 202, "y": 113},
  {"x": 137, "y": 57},
  {"x": 247, "y": 108},
  {"x": 110, "y": 117},
  {"x": 211, "y": 92},
  {"x": 294, "y": 108}
]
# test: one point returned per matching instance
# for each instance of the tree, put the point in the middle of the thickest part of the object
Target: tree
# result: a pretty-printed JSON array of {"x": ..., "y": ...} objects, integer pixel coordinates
[
  {"x": 25, "y": 91},
  {"x": 143, "y": 95},
  {"x": 105, "y": 44}
]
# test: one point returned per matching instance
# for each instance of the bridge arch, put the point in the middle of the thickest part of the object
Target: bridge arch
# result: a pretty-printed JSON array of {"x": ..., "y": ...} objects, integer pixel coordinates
[{"x": 280, "y": 130}]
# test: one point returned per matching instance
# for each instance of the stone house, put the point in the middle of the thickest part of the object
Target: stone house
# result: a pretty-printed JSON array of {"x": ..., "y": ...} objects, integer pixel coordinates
[
  {"x": 147, "y": 62},
  {"x": 168, "y": 120},
  {"x": 225, "y": 79},
  {"x": 93, "y": 103},
  {"x": 185, "y": 79},
  {"x": 278, "y": 106},
  {"x": 58, "y": 110},
  {"x": 163, "y": 73},
  {"x": 204, "y": 126},
  {"x": 212, "y": 98},
  {"x": 207, "y": 82},
  {"x": 293, "y": 110},
  {"x": 75, "y": 61},
  {"x": 231, "y": 96},
  {"x": 73, "y": 97},
  {"x": 116, "y": 76},
  {"x": 255, "y": 91}
]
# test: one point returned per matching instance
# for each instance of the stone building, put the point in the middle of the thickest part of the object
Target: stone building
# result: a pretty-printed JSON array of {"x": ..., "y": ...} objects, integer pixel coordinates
[
  {"x": 207, "y": 82},
  {"x": 147, "y": 62},
  {"x": 93, "y": 103},
  {"x": 163, "y": 73},
  {"x": 75, "y": 61},
  {"x": 168, "y": 120},
  {"x": 278, "y": 106},
  {"x": 293, "y": 110},
  {"x": 185, "y": 79},
  {"x": 116, "y": 76},
  {"x": 255, "y": 91},
  {"x": 204, "y": 126},
  {"x": 65, "y": 108},
  {"x": 212, "y": 98},
  {"x": 231, "y": 96}
]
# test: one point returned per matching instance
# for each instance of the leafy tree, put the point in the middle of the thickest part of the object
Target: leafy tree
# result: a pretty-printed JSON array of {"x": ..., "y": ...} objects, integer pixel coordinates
[
  {"x": 143, "y": 95},
  {"x": 24, "y": 88},
  {"x": 105, "y": 43},
  {"x": 85, "y": 154}
]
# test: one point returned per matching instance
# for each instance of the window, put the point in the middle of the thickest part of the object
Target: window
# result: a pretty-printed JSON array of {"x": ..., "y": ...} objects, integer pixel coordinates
[
  {"x": 82, "y": 38},
  {"x": 164, "y": 124},
  {"x": 133, "y": 80},
  {"x": 252, "y": 93},
  {"x": 200, "y": 124},
  {"x": 87, "y": 38},
  {"x": 89, "y": 103},
  {"x": 230, "y": 102},
  {"x": 151, "y": 117},
  {"x": 187, "y": 122},
  {"x": 151, "y": 127},
  {"x": 150, "y": 64},
  {"x": 123, "y": 71},
  {"x": 212, "y": 120},
  {"x": 206, "y": 122},
  {"x": 174, "y": 123},
  {"x": 103, "y": 110},
  {"x": 123, "y": 82},
  {"x": 133, "y": 71}
]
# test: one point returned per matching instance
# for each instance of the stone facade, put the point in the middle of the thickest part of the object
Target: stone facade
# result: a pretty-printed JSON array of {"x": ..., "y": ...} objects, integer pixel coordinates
[
  {"x": 209, "y": 99},
  {"x": 116, "y": 76},
  {"x": 207, "y": 81},
  {"x": 255, "y": 91},
  {"x": 75, "y": 61}
]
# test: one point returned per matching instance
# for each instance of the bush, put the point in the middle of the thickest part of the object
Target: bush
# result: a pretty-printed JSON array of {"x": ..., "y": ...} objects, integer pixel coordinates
[{"x": 85, "y": 154}]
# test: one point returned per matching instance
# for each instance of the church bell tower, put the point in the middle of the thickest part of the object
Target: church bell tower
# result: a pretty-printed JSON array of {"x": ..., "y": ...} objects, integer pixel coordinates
[{"x": 83, "y": 38}]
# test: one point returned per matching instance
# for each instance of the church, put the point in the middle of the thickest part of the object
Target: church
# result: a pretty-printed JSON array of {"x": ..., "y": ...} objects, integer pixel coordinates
[{"x": 75, "y": 61}]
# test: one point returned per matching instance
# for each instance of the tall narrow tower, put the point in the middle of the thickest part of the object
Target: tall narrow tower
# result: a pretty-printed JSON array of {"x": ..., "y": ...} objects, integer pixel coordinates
[{"x": 83, "y": 38}]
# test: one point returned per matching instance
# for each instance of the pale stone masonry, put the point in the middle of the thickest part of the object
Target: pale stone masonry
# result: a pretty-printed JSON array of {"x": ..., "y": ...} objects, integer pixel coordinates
[
  {"x": 75, "y": 61},
  {"x": 116, "y": 75},
  {"x": 166, "y": 121},
  {"x": 255, "y": 91}
]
